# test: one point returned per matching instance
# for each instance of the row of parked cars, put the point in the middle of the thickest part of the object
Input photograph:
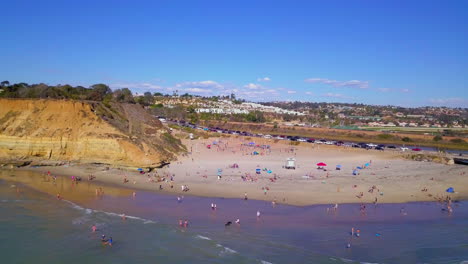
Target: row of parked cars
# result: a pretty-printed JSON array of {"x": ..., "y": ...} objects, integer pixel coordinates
[{"x": 293, "y": 138}]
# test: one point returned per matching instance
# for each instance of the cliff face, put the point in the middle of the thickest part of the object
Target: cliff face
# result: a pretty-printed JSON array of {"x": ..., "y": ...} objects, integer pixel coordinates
[{"x": 87, "y": 132}]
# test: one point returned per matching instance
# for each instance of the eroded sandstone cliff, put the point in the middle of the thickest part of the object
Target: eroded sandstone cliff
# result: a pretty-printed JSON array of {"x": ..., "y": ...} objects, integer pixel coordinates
[{"x": 87, "y": 132}]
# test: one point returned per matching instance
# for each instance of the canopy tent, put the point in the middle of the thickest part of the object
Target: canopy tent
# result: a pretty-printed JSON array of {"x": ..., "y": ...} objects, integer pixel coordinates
[
  {"x": 255, "y": 153},
  {"x": 450, "y": 190},
  {"x": 321, "y": 164},
  {"x": 258, "y": 171}
]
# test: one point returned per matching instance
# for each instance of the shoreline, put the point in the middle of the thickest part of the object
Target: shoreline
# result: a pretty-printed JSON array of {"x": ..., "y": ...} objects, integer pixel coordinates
[{"x": 388, "y": 179}]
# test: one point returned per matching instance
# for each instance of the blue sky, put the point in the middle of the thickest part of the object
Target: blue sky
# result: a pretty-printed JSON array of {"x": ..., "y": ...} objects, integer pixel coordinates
[{"x": 408, "y": 53}]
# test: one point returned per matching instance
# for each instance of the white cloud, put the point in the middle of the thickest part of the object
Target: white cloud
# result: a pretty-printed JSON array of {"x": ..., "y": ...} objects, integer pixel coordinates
[
  {"x": 197, "y": 90},
  {"x": 453, "y": 101},
  {"x": 264, "y": 79},
  {"x": 335, "y": 83},
  {"x": 253, "y": 86},
  {"x": 136, "y": 86},
  {"x": 201, "y": 84},
  {"x": 384, "y": 90},
  {"x": 291, "y": 92},
  {"x": 405, "y": 90},
  {"x": 309, "y": 93},
  {"x": 336, "y": 95}
]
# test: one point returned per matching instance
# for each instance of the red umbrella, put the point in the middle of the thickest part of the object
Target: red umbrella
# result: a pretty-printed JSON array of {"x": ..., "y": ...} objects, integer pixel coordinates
[{"x": 321, "y": 164}]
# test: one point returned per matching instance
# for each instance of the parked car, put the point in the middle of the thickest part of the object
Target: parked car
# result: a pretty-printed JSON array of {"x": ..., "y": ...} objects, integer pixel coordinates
[{"x": 404, "y": 148}]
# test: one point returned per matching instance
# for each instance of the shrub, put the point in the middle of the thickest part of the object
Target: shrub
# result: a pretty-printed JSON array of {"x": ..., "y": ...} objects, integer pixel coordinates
[
  {"x": 406, "y": 139},
  {"x": 437, "y": 138},
  {"x": 457, "y": 141}
]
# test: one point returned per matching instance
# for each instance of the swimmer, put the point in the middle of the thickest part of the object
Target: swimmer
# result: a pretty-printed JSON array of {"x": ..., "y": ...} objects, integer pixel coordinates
[
  {"x": 238, "y": 221},
  {"x": 352, "y": 231},
  {"x": 109, "y": 242},
  {"x": 358, "y": 233},
  {"x": 228, "y": 223},
  {"x": 134, "y": 194},
  {"x": 93, "y": 228},
  {"x": 103, "y": 239},
  {"x": 181, "y": 223},
  {"x": 348, "y": 245},
  {"x": 185, "y": 223},
  {"x": 124, "y": 217},
  {"x": 258, "y": 213}
]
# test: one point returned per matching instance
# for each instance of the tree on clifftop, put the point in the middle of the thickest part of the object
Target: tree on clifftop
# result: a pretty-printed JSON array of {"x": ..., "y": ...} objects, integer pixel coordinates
[
  {"x": 99, "y": 91},
  {"x": 123, "y": 95},
  {"x": 5, "y": 83}
]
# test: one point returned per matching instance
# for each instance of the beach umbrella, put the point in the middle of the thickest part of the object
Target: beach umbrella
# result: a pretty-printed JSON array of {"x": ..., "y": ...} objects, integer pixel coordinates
[
  {"x": 139, "y": 169},
  {"x": 252, "y": 143},
  {"x": 338, "y": 166},
  {"x": 366, "y": 165},
  {"x": 321, "y": 164},
  {"x": 450, "y": 190}
]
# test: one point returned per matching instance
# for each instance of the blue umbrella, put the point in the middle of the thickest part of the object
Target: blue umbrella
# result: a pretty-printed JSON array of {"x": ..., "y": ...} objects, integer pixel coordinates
[
  {"x": 338, "y": 166},
  {"x": 450, "y": 190},
  {"x": 140, "y": 169}
]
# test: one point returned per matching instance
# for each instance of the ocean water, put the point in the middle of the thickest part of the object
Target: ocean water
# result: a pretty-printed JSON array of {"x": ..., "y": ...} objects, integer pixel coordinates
[{"x": 35, "y": 227}]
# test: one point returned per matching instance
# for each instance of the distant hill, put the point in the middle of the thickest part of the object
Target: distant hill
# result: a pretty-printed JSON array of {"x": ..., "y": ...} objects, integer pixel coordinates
[{"x": 83, "y": 131}]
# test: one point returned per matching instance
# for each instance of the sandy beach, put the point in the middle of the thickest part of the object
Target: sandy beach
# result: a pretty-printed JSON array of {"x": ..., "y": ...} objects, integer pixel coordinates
[{"x": 387, "y": 178}]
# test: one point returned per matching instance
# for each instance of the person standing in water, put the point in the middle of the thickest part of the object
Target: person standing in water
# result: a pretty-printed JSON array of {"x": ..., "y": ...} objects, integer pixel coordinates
[{"x": 93, "y": 228}]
